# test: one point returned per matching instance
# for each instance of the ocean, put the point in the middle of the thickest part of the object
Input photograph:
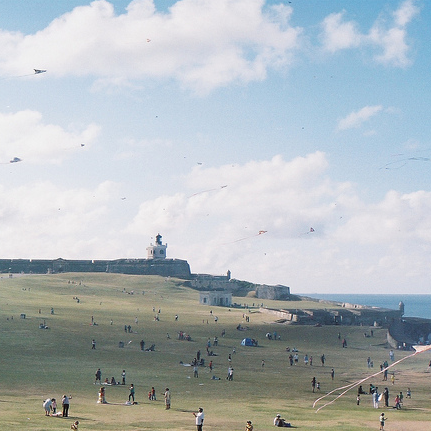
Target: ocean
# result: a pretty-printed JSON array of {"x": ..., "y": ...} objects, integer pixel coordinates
[{"x": 414, "y": 305}]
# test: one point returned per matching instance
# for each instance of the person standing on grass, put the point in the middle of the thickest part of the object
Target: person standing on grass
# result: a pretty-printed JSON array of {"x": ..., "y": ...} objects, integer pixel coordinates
[
  {"x": 98, "y": 376},
  {"x": 65, "y": 404},
  {"x": 199, "y": 418},
  {"x": 54, "y": 406},
  {"x": 167, "y": 396},
  {"x": 386, "y": 397},
  {"x": 132, "y": 393},
  {"x": 382, "y": 421},
  {"x": 123, "y": 376}
]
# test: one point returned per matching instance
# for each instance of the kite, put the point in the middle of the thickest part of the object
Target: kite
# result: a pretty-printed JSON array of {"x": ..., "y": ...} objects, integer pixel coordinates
[
  {"x": 261, "y": 232},
  {"x": 209, "y": 190},
  {"x": 14, "y": 160},
  {"x": 310, "y": 231},
  {"x": 418, "y": 349},
  {"x": 36, "y": 72},
  {"x": 398, "y": 164}
]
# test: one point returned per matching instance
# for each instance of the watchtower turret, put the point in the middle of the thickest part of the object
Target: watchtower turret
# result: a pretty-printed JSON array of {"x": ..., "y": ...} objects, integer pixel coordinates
[{"x": 157, "y": 250}]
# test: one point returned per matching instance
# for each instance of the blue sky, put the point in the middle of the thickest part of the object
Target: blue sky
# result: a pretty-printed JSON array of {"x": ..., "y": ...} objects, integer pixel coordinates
[{"x": 232, "y": 127}]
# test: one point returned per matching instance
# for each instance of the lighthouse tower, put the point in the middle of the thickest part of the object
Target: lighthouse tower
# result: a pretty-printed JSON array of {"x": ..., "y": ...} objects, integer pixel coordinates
[{"x": 158, "y": 250}]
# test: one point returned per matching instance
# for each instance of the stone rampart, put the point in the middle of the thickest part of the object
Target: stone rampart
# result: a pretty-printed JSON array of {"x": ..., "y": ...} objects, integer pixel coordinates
[{"x": 164, "y": 267}]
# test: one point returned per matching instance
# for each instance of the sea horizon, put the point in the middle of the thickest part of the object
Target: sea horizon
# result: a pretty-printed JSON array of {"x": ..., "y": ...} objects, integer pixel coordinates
[{"x": 415, "y": 305}]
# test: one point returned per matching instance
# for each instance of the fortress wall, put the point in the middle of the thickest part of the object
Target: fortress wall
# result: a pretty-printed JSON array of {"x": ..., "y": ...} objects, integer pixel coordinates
[
  {"x": 166, "y": 267},
  {"x": 332, "y": 317},
  {"x": 278, "y": 292}
]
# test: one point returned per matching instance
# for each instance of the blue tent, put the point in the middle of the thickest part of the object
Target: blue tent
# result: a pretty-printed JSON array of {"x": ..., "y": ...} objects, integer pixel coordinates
[{"x": 247, "y": 342}]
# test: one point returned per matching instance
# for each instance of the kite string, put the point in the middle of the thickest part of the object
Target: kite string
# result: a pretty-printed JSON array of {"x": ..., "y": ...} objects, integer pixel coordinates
[{"x": 351, "y": 386}]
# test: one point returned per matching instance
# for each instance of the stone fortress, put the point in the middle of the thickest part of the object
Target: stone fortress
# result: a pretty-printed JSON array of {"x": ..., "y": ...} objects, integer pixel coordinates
[
  {"x": 156, "y": 263},
  {"x": 218, "y": 291}
]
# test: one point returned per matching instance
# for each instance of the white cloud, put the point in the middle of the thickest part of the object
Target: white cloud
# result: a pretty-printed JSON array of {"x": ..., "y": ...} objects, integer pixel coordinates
[
  {"x": 24, "y": 134},
  {"x": 390, "y": 39},
  {"x": 203, "y": 44},
  {"x": 44, "y": 220},
  {"x": 405, "y": 13},
  {"x": 355, "y": 244},
  {"x": 339, "y": 35},
  {"x": 355, "y": 119}
]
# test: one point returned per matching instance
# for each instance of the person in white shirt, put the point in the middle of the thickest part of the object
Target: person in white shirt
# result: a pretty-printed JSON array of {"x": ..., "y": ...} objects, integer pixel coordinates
[{"x": 199, "y": 418}]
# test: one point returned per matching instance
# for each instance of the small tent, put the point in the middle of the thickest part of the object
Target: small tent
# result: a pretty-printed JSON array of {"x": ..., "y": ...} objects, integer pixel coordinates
[{"x": 247, "y": 342}]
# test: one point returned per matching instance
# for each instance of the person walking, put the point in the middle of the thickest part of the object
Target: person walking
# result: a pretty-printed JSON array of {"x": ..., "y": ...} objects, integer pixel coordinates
[{"x": 199, "y": 418}]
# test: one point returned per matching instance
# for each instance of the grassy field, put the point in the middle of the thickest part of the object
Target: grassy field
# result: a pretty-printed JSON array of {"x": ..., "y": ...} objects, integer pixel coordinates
[{"x": 41, "y": 363}]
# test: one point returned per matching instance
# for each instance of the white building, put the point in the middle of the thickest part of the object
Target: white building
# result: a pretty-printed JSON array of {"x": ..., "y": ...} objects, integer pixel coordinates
[{"x": 216, "y": 298}]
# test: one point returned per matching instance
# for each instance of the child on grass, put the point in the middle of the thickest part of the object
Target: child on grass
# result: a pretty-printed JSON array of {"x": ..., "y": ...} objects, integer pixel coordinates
[{"x": 382, "y": 421}]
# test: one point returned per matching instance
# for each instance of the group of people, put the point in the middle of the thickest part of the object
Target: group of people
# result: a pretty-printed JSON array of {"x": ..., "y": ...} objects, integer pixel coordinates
[
  {"x": 199, "y": 417},
  {"x": 384, "y": 396},
  {"x": 98, "y": 378},
  {"x": 50, "y": 406}
]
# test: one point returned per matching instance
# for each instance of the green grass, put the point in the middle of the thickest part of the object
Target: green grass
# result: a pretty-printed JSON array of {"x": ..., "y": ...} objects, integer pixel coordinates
[{"x": 38, "y": 363}]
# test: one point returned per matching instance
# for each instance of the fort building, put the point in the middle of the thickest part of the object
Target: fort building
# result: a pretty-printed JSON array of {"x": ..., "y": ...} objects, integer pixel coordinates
[{"x": 156, "y": 263}]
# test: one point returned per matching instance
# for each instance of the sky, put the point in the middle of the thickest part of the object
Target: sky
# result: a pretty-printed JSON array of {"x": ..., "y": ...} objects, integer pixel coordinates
[{"x": 285, "y": 141}]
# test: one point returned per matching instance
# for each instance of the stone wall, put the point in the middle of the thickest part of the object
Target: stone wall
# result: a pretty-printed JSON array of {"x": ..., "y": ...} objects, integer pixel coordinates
[
  {"x": 336, "y": 316},
  {"x": 407, "y": 332},
  {"x": 238, "y": 287},
  {"x": 278, "y": 292},
  {"x": 166, "y": 267}
]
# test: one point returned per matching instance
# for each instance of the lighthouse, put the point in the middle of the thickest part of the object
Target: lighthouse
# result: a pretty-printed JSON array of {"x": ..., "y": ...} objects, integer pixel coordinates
[{"x": 157, "y": 250}]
